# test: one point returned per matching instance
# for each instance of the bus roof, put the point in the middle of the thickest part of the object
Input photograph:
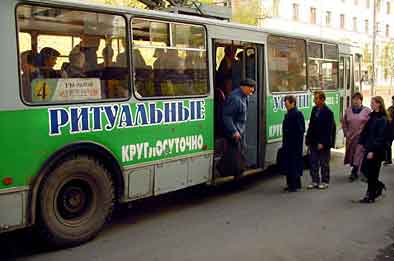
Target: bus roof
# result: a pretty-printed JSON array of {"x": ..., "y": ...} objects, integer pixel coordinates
[{"x": 188, "y": 18}]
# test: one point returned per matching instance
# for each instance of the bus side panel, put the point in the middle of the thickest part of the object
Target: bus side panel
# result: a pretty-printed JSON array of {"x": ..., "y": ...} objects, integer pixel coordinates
[{"x": 31, "y": 136}]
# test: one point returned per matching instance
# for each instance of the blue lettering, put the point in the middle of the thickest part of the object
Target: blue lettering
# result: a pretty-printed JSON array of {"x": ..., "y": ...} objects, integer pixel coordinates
[
  {"x": 156, "y": 115},
  {"x": 141, "y": 116},
  {"x": 111, "y": 113},
  {"x": 58, "y": 118},
  {"x": 79, "y": 119},
  {"x": 96, "y": 111},
  {"x": 183, "y": 112},
  {"x": 125, "y": 119},
  {"x": 170, "y": 112}
]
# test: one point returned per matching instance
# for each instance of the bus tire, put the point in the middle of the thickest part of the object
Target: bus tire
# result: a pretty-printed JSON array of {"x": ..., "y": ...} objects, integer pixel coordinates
[{"x": 75, "y": 201}]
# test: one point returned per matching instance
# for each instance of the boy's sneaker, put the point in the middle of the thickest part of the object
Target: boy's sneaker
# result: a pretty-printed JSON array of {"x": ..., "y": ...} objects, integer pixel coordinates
[
  {"x": 323, "y": 186},
  {"x": 312, "y": 186}
]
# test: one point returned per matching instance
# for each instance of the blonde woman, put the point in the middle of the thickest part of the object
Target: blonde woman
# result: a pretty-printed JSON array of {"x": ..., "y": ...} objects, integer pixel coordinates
[{"x": 373, "y": 140}]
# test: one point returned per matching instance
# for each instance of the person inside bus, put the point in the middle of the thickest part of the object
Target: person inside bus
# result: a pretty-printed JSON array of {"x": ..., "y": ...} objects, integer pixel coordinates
[
  {"x": 108, "y": 55},
  {"x": 235, "y": 113},
  {"x": 121, "y": 58},
  {"x": 27, "y": 68},
  {"x": 46, "y": 61},
  {"x": 224, "y": 73},
  {"x": 143, "y": 75},
  {"x": 89, "y": 46},
  {"x": 236, "y": 71},
  {"x": 159, "y": 66},
  {"x": 74, "y": 69}
]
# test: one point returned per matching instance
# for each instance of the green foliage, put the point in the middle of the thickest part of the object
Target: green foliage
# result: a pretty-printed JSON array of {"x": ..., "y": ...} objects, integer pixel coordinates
[
  {"x": 387, "y": 60},
  {"x": 248, "y": 13},
  {"x": 367, "y": 58}
]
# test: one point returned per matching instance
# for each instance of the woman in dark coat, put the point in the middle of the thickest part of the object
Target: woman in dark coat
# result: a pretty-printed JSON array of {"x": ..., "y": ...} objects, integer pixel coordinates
[
  {"x": 374, "y": 141},
  {"x": 293, "y": 140}
]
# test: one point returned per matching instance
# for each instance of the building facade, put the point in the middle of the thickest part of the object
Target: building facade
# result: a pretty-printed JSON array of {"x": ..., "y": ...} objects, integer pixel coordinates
[{"x": 346, "y": 20}]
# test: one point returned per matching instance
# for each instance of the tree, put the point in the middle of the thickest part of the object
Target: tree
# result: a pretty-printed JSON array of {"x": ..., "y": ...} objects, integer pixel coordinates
[
  {"x": 367, "y": 58},
  {"x": 387, "y": 61},
  {"x": 249, "y": 12}
]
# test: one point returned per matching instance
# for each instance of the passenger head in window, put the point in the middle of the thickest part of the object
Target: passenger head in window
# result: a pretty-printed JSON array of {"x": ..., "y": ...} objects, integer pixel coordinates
[
  {"x": 89, "y": 45},
  {"x": 108, "y": 55},
  {"x": 75, "y": 69},
  {"x": 27, "y": 68},
  {"x": 46, "y": 62},
  {"x": 121, "y": 58},
  {"x": 225, "y": 74}
]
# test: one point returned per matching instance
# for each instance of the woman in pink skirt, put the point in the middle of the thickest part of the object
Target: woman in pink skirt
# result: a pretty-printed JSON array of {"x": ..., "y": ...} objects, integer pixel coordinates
[{"x": 353, "y": 123}]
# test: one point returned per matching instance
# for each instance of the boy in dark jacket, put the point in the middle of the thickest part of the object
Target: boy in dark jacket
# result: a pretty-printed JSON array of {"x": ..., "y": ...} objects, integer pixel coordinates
[
  {"x": 320, "y": 140},
  {"x": 292, "y": 146}
]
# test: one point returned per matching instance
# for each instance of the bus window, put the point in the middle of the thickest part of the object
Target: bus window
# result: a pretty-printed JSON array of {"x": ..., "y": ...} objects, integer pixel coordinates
[
  {"x": 24, "y": 42},
  {"x": 67, "y": 43},
  {"x": 286, "y": 63},
  {"x": 315, "y": 50},
  {"x": 169, "y": 65},
  {"x": 68, "y": 65},
  {"x": 323, "y": 70}
]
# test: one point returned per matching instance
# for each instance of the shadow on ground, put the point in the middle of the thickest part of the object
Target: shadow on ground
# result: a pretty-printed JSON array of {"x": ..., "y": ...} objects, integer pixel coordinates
[{"x": 26, "y": 242}]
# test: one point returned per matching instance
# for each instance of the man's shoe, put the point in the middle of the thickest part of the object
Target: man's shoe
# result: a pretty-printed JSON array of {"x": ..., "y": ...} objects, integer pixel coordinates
[
  {"x": 312, "y": 186},
  {"x": 387, "y": 163},
  {"x": 367, "y": 200},
  {"x": 353, "y": 177},
  {"x": 323, "y": 186}
]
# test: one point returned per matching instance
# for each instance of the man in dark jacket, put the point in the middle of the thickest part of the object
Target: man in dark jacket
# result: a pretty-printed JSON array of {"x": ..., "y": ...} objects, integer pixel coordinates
[
  {"x": 235, "y": 111},
  {"x": 292, "y": 147},
  {"x": 320, "y": 140}
]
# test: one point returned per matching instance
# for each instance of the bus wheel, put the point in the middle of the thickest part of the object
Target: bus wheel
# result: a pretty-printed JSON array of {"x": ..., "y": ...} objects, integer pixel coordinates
[{"x": 75, "y": 201}]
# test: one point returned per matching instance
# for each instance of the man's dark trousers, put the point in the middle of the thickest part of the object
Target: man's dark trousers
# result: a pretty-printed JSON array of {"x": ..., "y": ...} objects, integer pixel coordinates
[{"x": 320, "y": 161}]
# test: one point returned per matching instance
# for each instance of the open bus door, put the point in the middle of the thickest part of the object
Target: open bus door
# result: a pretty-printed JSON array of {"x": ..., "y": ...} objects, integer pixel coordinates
[
  {"x": 247, "y": 63},
  {"x": 345, "y": 89}
]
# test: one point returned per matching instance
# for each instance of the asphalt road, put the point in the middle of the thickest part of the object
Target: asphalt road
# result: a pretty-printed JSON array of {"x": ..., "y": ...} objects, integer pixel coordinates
[{"x": 254, "y": 222}]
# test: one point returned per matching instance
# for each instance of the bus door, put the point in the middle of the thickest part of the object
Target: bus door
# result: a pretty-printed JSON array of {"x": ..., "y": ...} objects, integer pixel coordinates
[
  {"x": 357, "y": 74},
  {"x": 346, "y": 81},
  {"x": 345, "y": 90},
  {"x": 235, "y": 61}
]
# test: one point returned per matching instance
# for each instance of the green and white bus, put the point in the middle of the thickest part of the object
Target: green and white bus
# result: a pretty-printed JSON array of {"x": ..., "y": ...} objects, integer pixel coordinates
[{"x": 102, "y": 105}]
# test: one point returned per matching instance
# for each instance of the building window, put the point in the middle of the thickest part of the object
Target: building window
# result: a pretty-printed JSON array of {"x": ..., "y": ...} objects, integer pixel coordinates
[
  {"x": 328, "y": 18},
  {"x": 366, "y": 26},
  {"x": 313, "y": 15},
  {"x": 368, "y": 3},
  {"x": 355, "y": 24},
  {"x": 378, "y": 4},
  {"x": 387, "y": 30},
  {"x": 296, "y": 8},
  {"x": 275, "y": 8},
  {"x": 388, "y": 8},
  {"x": 342, "y": 22}
]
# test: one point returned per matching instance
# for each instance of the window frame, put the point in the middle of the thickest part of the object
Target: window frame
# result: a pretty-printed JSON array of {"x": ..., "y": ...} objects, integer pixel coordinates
[
  {"x": 269, "y": 89},
  {"x": 81, "y": 9},
  {"x": 169, "y": 22},
  {"x": 323, "y": 44}
]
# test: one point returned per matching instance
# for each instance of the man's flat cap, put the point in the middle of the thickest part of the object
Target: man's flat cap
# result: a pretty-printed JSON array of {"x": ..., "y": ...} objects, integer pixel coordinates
[{"x": 248, "y": 82}]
